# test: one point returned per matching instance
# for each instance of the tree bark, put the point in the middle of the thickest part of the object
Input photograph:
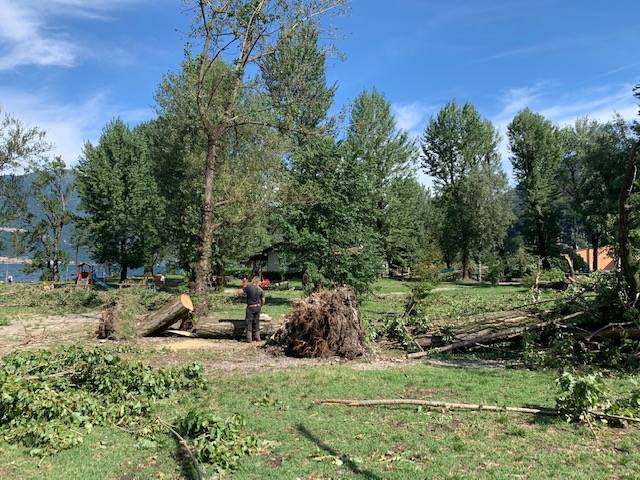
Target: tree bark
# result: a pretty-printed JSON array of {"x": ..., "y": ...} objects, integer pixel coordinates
[
  {"x": 160, "y": 320},
  {"x": 233, "y": 329},
  {"x": 203, "y": 262},
  {"x": 595, "y": 245},
  {"x": 629, "y": 270},
  {"x": 542, "y": 245},
  {"x": 465, "y": 265}
]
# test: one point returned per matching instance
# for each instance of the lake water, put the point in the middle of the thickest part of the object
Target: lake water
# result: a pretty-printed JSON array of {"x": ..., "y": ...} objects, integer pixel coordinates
[{"x": 68, "y": 273}]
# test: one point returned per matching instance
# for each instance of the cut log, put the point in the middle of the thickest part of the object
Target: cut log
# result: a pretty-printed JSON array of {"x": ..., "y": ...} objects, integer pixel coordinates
[
  {"x": 162, "y": 319},
  {"x": 232, "y": 329}
]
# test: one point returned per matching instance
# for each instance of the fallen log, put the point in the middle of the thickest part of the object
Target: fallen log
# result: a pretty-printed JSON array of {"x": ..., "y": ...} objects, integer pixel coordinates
[
  {"x": 160, "y": 320},
  {"x": 506, "y": 330},
  {"x": 229, "y": 329}
]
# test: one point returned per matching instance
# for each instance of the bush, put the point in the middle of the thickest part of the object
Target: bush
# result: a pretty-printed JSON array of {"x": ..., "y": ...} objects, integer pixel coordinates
[
  {"x": 580, "y": 394},
  {"x": 216, "y": 441},
  {"x": 553, "y": 275}
]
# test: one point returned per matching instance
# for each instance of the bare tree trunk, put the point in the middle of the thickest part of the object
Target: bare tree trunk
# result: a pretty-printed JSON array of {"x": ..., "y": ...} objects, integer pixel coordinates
[
  {"x": 123, "y": 261},
  {"x": 465, "y": 265},
  {"x": 595, "y": 245},
  {"x": 542, "y": 245},
  {"x": 629, "y": 270},
  {"x": 203, "y": 262}
]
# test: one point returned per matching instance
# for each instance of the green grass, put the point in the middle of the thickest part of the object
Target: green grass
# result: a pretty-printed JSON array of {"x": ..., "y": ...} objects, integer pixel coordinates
[{"x": 306, "y": 440}]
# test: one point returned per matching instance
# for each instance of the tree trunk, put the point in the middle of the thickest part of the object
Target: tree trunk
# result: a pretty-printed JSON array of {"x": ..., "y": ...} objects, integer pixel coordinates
[
  {"x": 229, "y": 329},
  {"x": 148, "y": 270},
  {"x": 595, "y": 245},
  {"x": 629, "y": 270},
  {"x": 203, "y": 262},
  {"x": 169, "y": 314},
  {"x": 465, "y": 265},
  {"x": 123, "y": 262},
  {"x": 542, "y": 245}
]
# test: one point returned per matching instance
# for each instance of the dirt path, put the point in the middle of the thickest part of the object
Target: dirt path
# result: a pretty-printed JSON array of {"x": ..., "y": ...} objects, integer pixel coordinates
[
  {"x": 45, "y": 331},
  {"x": 217, "y": 356}
]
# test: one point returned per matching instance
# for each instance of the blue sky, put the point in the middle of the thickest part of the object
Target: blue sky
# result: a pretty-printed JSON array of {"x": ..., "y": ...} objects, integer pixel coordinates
[{"x": 70, "y": 66}]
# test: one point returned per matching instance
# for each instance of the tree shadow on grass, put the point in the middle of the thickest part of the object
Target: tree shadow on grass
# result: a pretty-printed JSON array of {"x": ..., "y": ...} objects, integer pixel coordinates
[
  {"x": 347, "y": 462},
  {"x": 189, "y": 466}
]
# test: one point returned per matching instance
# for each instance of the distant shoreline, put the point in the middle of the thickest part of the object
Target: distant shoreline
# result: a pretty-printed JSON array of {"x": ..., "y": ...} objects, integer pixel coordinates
[{"x": 15, "y": 261}]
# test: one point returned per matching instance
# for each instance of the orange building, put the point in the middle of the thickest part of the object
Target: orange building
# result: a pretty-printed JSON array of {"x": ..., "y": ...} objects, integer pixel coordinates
[{"x": 605, "y": 259}]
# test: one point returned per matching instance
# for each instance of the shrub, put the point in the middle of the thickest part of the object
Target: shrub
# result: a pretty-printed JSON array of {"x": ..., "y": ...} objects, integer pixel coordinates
[{"x": 216, "y": 441}]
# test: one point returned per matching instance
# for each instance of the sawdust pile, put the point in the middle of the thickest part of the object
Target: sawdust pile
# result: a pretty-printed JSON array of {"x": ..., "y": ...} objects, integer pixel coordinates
[{"x": 325, "y": 324}]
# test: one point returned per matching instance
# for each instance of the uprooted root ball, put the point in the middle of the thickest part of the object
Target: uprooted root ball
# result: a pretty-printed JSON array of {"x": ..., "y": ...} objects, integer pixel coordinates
[{"x": 324, "y": 324}]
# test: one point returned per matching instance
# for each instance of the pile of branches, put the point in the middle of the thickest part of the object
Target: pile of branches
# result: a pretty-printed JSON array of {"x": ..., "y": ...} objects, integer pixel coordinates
[
  {"x": 50, "y": 399},
  {"x": 586, "y": 321},
  {"x": 325, "y": 324}
]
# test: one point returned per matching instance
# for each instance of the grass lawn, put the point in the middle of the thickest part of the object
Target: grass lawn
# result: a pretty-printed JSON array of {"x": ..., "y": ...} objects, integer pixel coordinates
[
  {"x": 308, "y": 441},
  {"x": 305, "y": 440}
]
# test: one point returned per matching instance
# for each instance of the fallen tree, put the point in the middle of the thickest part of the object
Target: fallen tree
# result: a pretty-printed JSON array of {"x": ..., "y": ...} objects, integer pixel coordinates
[
  {"x": 471, "y": 406},
  {"x": 228, "y": 329},
  {"x": 488, "y": 330},
  {"x": 161, "y": 319}
]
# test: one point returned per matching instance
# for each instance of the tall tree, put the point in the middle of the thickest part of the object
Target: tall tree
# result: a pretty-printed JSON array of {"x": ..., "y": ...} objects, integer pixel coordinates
[
  {"x": 629, "y": 219},
  {"x": 119, "y": 194},
  {"x": 537, "y": 150},
  {"x": 408, "y": 220},
  {"x": 243, "y": 32},
  {"x": 50, "y": 191},
  {"x": 590, "y": 176},
  {"x": 386, "y": 152},
  {"x": 460, "y": 152},
  {"x": 21, "y": 148},
  {"x": 247, "y": 176}
]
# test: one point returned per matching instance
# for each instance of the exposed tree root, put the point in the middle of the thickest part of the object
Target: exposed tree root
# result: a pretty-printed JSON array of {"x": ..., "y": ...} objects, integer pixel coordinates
[{"x": 324, "y": 324}]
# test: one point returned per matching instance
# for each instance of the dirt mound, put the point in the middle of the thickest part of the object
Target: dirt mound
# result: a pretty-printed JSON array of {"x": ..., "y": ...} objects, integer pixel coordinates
[{"x": 324, "y": 324}]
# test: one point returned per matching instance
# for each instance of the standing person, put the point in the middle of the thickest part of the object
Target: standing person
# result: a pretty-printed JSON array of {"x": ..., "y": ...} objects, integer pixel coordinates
[{"x": 255, "y": 301}]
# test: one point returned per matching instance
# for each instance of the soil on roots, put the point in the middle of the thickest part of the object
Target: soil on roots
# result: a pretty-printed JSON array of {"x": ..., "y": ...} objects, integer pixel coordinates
[{"x": 325, "y": 324}]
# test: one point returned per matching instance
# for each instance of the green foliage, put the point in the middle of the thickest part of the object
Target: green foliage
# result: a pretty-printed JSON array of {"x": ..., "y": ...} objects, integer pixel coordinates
[
  {"x": 580, "y": 394},
  {"x": 51, "y": 191},
  {"x": 398, "y": 203},
  {"x": 120, "y": 196},
  {"x": 553, "y": 275},
  {"x": 581, "y": 397},
  {"x": 537, "y": 149},
  {"x": 214, "y": 440},
  {"x": 460, "y": 152},
  {"x": 50, "y": 399}
]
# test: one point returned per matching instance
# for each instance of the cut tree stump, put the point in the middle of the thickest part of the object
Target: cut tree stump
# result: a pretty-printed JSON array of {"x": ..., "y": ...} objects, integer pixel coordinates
[
  {"x": 232, "y": 329},
  {"x": 162, "y": 319}
]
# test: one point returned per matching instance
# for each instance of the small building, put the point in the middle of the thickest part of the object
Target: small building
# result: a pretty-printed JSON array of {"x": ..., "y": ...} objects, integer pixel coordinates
[
  {"x": 266, "y": 264},
  {"x": 606, "y": 260}
]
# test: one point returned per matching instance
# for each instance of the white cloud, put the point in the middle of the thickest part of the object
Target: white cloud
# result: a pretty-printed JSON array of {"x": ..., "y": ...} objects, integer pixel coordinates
[
  {"x": 28, "y": 33},
  {"x": 564, "y": 108},
  {"x": 68, "y": 125},
  {"x": 411, "y": 117}
]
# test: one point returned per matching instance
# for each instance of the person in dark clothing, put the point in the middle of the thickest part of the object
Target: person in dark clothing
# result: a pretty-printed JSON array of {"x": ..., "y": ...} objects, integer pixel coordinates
[{"x": 255, "y": 301}]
